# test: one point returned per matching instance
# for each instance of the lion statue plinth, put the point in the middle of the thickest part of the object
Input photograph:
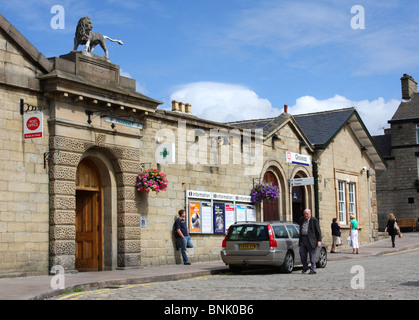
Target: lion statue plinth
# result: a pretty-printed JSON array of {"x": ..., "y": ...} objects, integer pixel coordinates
[{"x": 85, "y": 36}]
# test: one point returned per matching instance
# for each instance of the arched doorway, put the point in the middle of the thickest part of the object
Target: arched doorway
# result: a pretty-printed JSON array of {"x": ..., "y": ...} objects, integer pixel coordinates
[
  {"x": 298, "y": 202},
  {"x": 89, "y": 252},
  {"x": 270, "y": 207}
]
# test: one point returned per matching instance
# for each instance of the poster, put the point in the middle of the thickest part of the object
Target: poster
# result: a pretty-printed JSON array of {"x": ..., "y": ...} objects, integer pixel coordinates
[
  {"x": 251, "y": 213},
  {"x": 241, "y": 212},
  {"x": 194, "y": 217},
  {"x": 230, "y": 216},
  {"x": 219, "y": 217},
  {"x": 206, "y": 217}
]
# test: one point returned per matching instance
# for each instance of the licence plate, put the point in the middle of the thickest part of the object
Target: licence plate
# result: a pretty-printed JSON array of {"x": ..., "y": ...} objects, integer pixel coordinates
[{"x": 247, "y": 246}]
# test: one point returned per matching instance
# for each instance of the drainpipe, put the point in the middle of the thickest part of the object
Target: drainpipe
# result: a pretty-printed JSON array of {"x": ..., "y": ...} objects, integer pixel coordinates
[{"x": 316, "y": 189}]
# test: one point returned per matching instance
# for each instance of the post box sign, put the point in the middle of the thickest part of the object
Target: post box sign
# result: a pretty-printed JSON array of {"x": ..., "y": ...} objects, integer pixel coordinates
[{"x": 33, "y": 125}]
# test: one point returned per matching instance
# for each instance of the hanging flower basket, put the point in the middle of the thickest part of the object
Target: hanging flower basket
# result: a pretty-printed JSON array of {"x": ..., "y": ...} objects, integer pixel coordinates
[
  {"x": 264, "y": 191},
  {"x": 151, "y": 180}
]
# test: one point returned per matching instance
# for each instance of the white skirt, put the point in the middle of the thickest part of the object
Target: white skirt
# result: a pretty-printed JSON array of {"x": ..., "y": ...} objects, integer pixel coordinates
[{"x": 354, "y": 238}]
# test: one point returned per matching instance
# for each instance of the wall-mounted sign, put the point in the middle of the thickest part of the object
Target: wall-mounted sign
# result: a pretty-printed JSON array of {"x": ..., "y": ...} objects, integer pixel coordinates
[
  {"x": 214, "y": 212},
  {"x": 298, "y": 158},
  {"x": 302, "y": 181},
  {"x": 123, "y": 122},
  {"x": 33, "y": 125},
  {"x": 166, "y": 153}
]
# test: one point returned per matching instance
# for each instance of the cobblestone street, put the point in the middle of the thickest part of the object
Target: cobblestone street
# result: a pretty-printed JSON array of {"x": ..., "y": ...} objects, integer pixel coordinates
[{"x": 388, "y": 277}]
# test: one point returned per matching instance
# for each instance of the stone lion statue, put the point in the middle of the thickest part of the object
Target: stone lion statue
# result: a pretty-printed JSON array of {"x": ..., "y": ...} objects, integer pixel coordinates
[{"x": 85, "y": 36}]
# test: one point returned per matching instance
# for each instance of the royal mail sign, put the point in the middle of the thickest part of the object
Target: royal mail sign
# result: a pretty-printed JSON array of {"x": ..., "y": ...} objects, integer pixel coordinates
[{"x": 33, "y": 125}]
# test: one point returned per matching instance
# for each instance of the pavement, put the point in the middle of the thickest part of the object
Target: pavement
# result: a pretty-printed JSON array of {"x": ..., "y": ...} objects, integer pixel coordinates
[{"x": 42, "y": 287}]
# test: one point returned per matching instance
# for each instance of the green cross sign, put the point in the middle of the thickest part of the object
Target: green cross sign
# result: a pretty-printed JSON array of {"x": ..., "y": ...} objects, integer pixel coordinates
[{"x": 165, "y": 153}]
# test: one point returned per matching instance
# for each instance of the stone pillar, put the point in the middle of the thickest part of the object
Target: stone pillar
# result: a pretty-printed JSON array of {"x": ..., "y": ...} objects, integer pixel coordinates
[
  {"x": 62, "y": 175},
  {"x": 129, "y": 222}
]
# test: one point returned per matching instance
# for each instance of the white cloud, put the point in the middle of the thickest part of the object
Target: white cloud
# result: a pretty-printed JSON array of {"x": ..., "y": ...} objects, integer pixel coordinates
[
  {"x": 374, "y": 114},
  {"x": 223, "y": 102}
]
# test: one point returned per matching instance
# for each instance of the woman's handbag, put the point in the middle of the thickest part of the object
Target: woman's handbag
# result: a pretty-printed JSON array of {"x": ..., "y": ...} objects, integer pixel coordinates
[
  {"x": 349, "y": 240},
  {"x": 396, "y": 226}
]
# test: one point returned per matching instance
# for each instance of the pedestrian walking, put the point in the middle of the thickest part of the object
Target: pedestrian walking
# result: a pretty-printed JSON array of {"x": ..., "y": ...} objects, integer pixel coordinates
[
  {"x": 353, "y": 233},
  {"x": 392, "y": 228},
  {"x": 183, "y": 240},
  {"x": 336, "y": 239},
  {"x": 310, "y": 240}
]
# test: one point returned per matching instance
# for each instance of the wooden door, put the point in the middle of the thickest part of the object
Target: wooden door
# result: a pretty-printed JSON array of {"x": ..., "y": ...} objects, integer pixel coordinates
[
  {"x": 88, "y": 218},
  {"x": 270, "y": 207}
]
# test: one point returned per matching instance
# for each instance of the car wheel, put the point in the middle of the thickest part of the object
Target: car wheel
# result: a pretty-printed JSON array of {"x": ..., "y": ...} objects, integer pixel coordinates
[
  {"x": 322, "y": 258},
  {"x": 288, "y": 264}
]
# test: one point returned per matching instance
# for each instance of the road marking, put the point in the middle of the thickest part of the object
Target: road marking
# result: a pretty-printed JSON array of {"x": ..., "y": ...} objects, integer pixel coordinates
[
  {"x": 387, "y": 254},
  {"x": 79, "y": 295}
]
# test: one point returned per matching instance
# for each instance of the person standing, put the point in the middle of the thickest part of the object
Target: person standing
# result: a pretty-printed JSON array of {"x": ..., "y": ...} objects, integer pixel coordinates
[
  {"x": 310, "y": 240},
  {"x": 353, "y": 233},
  {"x": 392, "y": 231},
  {"x": 335, "y": 235},
  {"x": 183, "y": 240}
]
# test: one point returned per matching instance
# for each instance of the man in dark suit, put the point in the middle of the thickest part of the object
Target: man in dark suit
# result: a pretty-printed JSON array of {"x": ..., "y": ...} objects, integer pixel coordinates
[{"x": 310, "y": 240}]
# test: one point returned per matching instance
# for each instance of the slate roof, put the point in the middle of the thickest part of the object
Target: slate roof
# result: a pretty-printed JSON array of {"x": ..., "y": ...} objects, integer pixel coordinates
[
  {"x": 321, "y": 127},
  {"x": 407, "y": 110},
  {"x": 383, "y": 143}
]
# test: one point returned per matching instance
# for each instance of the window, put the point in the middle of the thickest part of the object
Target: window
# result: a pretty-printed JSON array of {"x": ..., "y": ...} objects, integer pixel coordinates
[
  {"x": 346, "y": 200},
  {"x": 417, "y": 133},
  {"x": 247, "y": 233},
  {"x": 294, "y": 233},
  {"x": 280, "y": 232},
  {"x": 352, "y": 202},
  {"x": 342, "y": 202}
]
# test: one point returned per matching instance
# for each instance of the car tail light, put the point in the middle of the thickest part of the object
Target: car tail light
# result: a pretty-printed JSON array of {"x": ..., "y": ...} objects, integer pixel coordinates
[
  {"x": 225, "y": 238},
  {"x": 272, "y": 241}
]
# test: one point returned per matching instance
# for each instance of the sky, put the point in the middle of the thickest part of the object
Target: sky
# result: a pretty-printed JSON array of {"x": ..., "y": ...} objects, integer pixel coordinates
[{"x": 245, "y": 59}]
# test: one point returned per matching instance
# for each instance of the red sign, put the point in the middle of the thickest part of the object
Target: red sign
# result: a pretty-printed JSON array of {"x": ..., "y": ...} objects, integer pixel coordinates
[{"x": 33, "y": 127}]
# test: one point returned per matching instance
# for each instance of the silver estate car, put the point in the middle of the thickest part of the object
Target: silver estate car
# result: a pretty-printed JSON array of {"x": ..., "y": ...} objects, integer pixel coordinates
[{"x": 273, "y": 243}]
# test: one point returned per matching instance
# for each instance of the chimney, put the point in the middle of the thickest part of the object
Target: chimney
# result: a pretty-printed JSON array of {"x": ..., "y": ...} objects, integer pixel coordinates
[
  {"x": 188, "y": 108},
  {"x": 181, "y": 107},
  {"x": 409, "y": 87},
  {"x": 285, "y": 108},
  {"x": 175, "y": 105}
]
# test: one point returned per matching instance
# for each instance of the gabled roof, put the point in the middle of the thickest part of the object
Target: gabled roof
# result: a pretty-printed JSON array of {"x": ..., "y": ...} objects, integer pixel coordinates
[
  {"x": 36, "y": 57},
  {"x": 408, "y": 110},
  {"x": 322, "y": 127},
  {"x": 271, "y": 125}
]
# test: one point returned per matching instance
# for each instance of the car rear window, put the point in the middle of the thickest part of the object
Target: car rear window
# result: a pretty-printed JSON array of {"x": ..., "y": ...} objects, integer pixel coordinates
[{"x": 248, "y": 233}]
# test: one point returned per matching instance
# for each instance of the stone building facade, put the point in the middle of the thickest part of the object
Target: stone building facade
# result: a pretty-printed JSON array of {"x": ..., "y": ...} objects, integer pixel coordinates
[
  {"x": 398, "y": 187},
  {"x": 69, "y": 198}
]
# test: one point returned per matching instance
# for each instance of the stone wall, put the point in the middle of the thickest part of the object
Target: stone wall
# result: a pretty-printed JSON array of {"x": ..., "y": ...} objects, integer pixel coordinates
[
  {"x": 24, "y": 180},
  {"x": 343, "y": 160},
  {"x": 397, "y": 188}
]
